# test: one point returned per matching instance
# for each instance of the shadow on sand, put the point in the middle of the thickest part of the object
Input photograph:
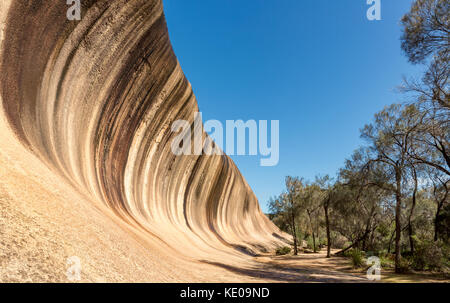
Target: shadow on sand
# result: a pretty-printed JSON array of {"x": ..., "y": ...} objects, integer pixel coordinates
[{"x": 290, "y": 269}]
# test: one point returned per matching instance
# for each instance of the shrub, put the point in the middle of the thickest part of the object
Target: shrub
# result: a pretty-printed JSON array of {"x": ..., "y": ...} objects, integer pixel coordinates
[
  {"x": 403, "y": 266},
  {"x": 347, "y": 253},
  {"x": 339, "y": 242},
  {"x": 386, "y": 260},
  {"x": 309, "y": 243},
  {"x": 428, "y": 255},
  {"x": 357, "y": 258},
  {"x": 283, "y": 250},
  {"x": 371, "y": 253}
]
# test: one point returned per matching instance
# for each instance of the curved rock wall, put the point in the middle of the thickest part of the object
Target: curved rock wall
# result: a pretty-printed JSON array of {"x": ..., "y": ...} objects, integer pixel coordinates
[{"x": 95, "y": 99}]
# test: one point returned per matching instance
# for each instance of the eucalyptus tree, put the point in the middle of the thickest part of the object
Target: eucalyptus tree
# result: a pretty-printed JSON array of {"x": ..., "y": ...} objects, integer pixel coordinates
[
  {"x": 439, "y": 185},
  {"x": 357, "y": 198},
  {"x": 389, "y": 141},
  {"x": 426, "y": 30},
  {"x": 328, "y": 197},
  {"x": 329, "y": 193},
  {"x": 430, "y": 141},
  {"x": 311, "y": 201},
  {"x": 413, "y": 170},
  {"x": 426, "y": 40},
  {"x": 286, "y": 207}
]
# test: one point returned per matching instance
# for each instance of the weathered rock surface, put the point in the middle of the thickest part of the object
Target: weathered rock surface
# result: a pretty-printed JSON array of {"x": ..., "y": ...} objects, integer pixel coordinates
[{"x": 94, "y": 100}]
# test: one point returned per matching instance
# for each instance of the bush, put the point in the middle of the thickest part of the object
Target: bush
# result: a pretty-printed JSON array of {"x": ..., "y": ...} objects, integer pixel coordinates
[
  {"x": 283, "y": 250},
  {"x": 386, "y": 260},
  {"x": 428, "y": 255},
  {"x": 403, "y": 266},
  {"x": 310, "y": 244},
  {"x": 339, "y": 242},
  {"x": 357, "y": 258},
  {"x": 347, "y": 253},
  {"x": 371, "y": 253}
]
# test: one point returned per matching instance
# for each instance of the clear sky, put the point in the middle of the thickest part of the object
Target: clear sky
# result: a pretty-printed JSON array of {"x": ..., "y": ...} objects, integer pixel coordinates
[{"x": 318, "y": 66}]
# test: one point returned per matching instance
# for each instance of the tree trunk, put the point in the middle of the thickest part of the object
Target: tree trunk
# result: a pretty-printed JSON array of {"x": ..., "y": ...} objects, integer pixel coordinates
[
  {"x": 436, "y": 226},
  {"x": 413, "y": 205},
  {"x": 327, "y": 223},
  {"x": 436, "y": 231},
  {"x": 354, "y": 244},
  {"x": 398, "y": 230},
  {"x": 390, "y": 241},
  {"x": 294, "y": 235},
  {"x": 440, "y": 205},
  {"x": 366, "y": 234},
  {"x": 368, "y": 229},
  {"x": 372, "y": 239},
  {"x": 312, "y": 230},
  {"x": 314, "y": 241}
]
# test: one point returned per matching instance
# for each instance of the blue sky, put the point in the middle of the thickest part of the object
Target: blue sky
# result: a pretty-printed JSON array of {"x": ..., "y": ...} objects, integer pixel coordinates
[{"x": 318, "y": 66}]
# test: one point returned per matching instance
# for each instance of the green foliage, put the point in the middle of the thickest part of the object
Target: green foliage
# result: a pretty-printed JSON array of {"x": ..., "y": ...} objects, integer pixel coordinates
[
  {"x": 386, "y": 262},
  {"x": 425, "y": 29},
  {"x": 429, "y": 255},
  {"x": 443, "y": 224},
  {"x": 339, "y": 242},
  {"x": 386, "y": 259},
  {"x": 283, "y": 250},
  {"x": 310, "y": 243},
  {"x": 357, "y": 258},
  {"x": 403, "y": 266}
]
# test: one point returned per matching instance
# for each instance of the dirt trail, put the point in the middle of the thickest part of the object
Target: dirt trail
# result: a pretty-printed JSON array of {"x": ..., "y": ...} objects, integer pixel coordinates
[
  {"x": 301, "y": 268},
  {"x": 316, "y": 267}
]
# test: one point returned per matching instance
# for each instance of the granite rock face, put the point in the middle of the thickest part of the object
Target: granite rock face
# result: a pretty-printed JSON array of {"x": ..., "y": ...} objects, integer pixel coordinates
[{"x": 95, "y": 99}]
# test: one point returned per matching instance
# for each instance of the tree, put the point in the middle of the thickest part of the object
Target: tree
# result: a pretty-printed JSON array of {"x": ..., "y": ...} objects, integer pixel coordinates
[
  {"x": 329, "y": 193},
  {"x": 413, "y": 172},
  {"x": 311, "y": 202},
  {"x": 326, "y": 206},
  {"x": 430, "y": 141},
  {"x": 426, "y": 29},
  {"x": 440, "y": 192},
  {"x": 389, "y": 139},
  {"x": 443, "y": 224},
  {"x": 285, "y": 208},
  {"x": 359, "y": 194},
  {"x": 426, "y": 33}
]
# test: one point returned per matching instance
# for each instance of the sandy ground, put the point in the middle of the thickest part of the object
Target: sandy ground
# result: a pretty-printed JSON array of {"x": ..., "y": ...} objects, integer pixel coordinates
[{"x": 317, "y": 268}]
